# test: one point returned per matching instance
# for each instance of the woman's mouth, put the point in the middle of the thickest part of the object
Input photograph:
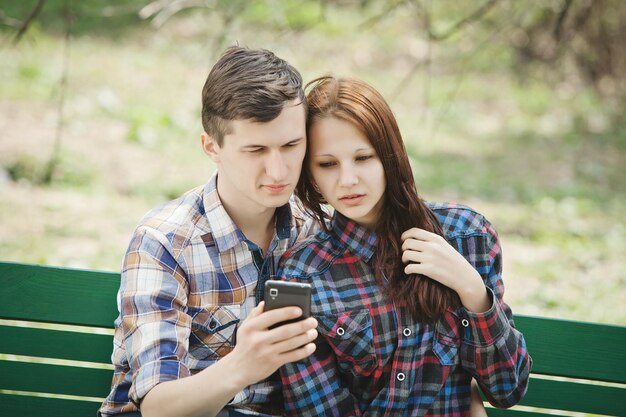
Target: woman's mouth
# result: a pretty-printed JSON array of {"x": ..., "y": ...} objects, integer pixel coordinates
[{"x": 352, "y": 199}]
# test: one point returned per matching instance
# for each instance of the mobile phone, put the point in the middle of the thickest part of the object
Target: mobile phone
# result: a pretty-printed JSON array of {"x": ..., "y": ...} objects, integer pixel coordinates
[{"x": 280, "y": 294}]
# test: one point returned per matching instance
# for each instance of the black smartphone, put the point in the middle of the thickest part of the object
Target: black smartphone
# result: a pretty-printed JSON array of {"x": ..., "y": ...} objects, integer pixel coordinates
[{"x": 280, "y": 294}]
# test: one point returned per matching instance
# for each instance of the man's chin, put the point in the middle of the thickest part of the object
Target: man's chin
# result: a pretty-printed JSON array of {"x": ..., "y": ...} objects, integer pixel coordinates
[{"x": 275, "y": 201}]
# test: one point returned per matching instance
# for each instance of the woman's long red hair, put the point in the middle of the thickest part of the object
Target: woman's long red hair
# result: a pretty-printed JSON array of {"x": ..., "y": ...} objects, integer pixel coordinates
[{"x": 358, "y": 103}]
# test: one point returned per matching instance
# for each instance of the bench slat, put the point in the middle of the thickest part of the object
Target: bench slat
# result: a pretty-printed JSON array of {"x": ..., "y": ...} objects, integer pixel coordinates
[
  {"x": 56, "y": 344},
  {"x": 570, "y": 396},
  {"x": 574, "y": 349},
  {"x": 499, "y": 412},
  {"x": 41, "y": 293},
  {"x": 26, "y": 406},
  {"x": 55, "y": 379}
]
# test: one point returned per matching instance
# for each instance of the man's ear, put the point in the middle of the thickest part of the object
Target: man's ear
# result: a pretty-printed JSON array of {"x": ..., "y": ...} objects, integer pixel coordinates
[{"x": 210, "y": 147}]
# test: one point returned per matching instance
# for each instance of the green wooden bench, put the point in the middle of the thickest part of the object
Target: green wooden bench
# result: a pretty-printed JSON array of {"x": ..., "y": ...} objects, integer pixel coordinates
[{"x": 56, "y": 341}]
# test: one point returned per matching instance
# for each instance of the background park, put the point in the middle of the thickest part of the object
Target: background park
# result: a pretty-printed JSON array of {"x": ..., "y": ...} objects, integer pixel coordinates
[{"x": 515, "y": 108}]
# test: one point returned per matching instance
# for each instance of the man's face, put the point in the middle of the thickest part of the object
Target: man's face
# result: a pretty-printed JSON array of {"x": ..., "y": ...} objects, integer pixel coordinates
[{"x": 259, "y": 163}]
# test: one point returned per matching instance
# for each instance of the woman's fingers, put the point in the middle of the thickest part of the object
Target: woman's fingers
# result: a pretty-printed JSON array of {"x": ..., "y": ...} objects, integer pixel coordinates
[
  {"x": 412, "y": 256},
  {"x": 418, "y": 234}
]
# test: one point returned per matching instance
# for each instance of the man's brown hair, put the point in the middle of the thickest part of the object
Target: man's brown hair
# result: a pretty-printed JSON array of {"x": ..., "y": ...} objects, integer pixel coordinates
[{"x": 247, "y": 84}]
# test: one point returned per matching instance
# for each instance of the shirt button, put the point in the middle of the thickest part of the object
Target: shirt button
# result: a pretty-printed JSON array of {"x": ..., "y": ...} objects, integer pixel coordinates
[
  {"x": 406, "y": 332},
  {"x": 465, "y": 323},
  {"x": 340, "y": 331},
  {"x": 401, "y": 377}
]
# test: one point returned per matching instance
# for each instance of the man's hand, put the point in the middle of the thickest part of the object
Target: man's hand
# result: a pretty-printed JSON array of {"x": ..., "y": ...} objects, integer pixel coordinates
[{"x": 260, "y": 351}]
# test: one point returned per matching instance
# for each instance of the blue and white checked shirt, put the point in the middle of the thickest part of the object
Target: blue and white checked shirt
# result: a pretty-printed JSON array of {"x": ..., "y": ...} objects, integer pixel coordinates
[{"x": 189, "y": 277}]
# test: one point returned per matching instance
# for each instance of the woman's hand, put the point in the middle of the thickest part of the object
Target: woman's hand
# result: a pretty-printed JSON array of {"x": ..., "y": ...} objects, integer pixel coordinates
[{"x": 431, "y": 255}]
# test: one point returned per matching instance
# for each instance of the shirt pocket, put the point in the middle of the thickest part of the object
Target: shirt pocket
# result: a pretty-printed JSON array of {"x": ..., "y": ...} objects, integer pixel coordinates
[
  {"x": 349, "y": 334},
  {"x": 213, "y": 331},
  {"x": 447, "y": 339}
]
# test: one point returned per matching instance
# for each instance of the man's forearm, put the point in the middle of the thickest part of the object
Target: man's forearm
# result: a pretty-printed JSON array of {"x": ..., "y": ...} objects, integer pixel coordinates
[{"x": 201, "y": 395}]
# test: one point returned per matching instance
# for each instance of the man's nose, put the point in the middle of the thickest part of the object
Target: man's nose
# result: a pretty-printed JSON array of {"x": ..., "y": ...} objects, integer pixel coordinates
[{"x": 276, "y": 166}]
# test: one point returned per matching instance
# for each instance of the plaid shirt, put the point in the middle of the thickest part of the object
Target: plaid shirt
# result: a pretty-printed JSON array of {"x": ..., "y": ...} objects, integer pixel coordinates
[
  {"x": 189, "y": 277},
  {"x": 373, "y": 359}
]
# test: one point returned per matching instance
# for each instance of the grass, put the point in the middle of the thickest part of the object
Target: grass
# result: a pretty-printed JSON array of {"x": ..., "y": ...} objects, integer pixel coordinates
[{"x": 542, "y": 161}]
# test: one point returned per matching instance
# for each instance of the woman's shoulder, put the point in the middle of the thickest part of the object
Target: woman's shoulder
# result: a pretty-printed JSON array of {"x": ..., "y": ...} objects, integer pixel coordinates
[
  {"x": 459, "y": 219},
  {"x": 310, "y": 256}
]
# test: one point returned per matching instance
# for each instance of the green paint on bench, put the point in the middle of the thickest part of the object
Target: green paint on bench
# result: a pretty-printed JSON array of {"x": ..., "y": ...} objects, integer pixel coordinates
[
  {"x": 58, "y": 295},
  {"x": 24, "y": 406},
  {"x": 56, "y": 344},
  {"x": 574, "y": 349},
  {"x": 590, "y": 352},
  {"x": 55, "y": 379}
]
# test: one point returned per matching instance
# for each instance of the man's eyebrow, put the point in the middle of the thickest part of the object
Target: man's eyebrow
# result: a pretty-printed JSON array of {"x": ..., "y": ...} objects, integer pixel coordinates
[
  {"x": 295, "y": 140},
  {"x": 259, "y": 145}
]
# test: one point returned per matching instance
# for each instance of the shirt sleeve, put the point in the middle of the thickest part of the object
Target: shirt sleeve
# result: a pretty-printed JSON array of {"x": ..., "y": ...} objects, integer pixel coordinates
[
  {"x": 152, "y": 300},
  {"x": 492, "y": 350}
]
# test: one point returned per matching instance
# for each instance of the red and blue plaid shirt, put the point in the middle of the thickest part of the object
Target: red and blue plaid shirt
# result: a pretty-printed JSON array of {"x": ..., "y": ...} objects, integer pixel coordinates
[{"x": 373, "y": 358}]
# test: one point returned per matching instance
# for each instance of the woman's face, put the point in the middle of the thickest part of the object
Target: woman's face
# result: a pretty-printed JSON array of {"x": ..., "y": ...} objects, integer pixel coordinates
[{"x": 347, "y": 170}]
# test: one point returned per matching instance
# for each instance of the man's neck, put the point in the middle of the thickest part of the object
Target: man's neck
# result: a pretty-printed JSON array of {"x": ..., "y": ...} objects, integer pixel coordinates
[{"x": 256, "y": 223}]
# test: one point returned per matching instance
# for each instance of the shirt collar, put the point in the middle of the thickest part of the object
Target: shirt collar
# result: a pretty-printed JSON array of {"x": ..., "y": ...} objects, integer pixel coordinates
[
  {"x": 359, "y": 239},
  {"x": 225, "y": 232}
]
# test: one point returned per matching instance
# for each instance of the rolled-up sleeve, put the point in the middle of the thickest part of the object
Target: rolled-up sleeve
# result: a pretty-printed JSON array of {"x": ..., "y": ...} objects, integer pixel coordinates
[{"x": 152, "y": 301}]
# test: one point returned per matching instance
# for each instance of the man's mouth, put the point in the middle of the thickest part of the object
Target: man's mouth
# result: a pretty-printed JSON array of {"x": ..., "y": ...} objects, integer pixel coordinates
[{"x": 275, "y": 188}]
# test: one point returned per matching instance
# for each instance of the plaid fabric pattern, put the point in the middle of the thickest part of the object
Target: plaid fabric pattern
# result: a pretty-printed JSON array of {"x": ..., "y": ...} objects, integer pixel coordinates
[
  {"x": 373, "y": 359},
  {"x": 189, "y": 277}
]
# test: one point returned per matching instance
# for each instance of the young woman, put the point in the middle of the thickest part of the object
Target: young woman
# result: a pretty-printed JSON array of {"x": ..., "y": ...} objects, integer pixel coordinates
[{"x": 396, "y": 338}]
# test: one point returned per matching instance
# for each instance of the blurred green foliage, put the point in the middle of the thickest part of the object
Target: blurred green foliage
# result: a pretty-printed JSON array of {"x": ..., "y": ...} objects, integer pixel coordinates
[{"x": 92, "y": 18}]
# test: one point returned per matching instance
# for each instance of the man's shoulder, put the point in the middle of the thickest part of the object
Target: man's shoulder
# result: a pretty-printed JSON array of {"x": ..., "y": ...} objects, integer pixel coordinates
[
  {"x": 305, "y": 224},
  {"x": 311, "y": 256},
  {"x": 458, "y": 219},
  {"x": 177, "y": 218}
]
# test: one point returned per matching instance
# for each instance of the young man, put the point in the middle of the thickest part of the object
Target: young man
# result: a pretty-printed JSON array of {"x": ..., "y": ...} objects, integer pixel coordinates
[{"x": 196, "y": 266}]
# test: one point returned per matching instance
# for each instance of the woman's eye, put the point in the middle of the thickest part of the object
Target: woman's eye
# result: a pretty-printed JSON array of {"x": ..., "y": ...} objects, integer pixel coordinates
[
  {"x": 326, "y": 164},
  {"x": 363, "y": 157}
]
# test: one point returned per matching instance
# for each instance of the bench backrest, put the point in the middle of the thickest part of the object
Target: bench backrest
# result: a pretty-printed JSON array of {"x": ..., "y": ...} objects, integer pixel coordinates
[
  {"x": 56, "y": 342},
  {"x": 577, "y": 367},
  {"x": 56, "y": 339}
]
